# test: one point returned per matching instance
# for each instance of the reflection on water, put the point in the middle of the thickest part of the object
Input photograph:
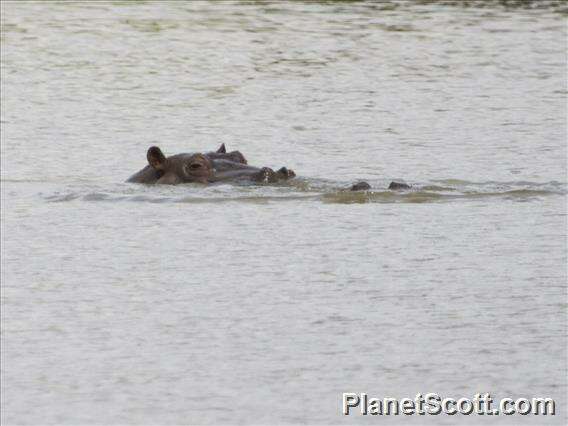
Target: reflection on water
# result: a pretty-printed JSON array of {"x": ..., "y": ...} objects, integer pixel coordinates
[{"x": 225, "y": 304}]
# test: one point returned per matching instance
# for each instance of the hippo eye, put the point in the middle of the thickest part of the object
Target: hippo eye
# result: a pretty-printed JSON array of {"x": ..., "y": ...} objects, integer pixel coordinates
[{"x": 195, "y": 166}]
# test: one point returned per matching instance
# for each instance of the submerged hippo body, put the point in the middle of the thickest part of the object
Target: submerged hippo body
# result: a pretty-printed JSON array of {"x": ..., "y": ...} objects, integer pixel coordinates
[
  {"x": 399, "y": 186},
  {"x": 151, "y": 174},
  {"x": 204, "y": 168},
  {"x": 394, "y": 186},
  {"x": 219, "y": 166}
]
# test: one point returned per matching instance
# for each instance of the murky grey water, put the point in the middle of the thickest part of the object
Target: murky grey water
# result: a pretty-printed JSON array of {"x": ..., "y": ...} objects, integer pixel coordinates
[{"x": 128, "y": 304}]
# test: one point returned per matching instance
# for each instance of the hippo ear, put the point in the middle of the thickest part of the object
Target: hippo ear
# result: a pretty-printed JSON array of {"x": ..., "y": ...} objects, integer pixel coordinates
[
  {"x": 222, "y": 149},
  {"x": 156, "y": 158}
]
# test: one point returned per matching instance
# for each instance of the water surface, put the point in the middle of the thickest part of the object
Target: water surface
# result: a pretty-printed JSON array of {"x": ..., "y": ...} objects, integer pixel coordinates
[{"x": 243, "y": 304}]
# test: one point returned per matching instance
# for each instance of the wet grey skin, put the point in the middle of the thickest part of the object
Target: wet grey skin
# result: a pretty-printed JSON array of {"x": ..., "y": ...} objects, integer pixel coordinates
[
  {"x": 204, "y": 168},
  {"x": 218, "y": 166},
  {"x": 360, "y": 186},
  {"x": 394, "y": 186},
  {"x": 399, "y": 186},
  {"x": 227, "y": 170},
  {"x": 150, "y": 175}
]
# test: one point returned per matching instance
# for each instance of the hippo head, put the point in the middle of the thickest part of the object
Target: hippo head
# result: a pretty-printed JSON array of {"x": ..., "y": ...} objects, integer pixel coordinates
[{"x": 180, "y": 168}]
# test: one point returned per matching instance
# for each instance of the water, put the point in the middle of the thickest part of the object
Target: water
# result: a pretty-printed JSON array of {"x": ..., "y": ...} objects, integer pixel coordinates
[{"x": 133, "y": 304}]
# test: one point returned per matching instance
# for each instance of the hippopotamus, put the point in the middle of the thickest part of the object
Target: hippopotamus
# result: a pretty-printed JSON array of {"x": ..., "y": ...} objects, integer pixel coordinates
[
  {"x": 397, "y": 186},
  {"x": 151, "y": 174},
  {"x": 394, "y": 186},
  {"x": 216, "y": 167},
  {"x": 204, "y": 168}
]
